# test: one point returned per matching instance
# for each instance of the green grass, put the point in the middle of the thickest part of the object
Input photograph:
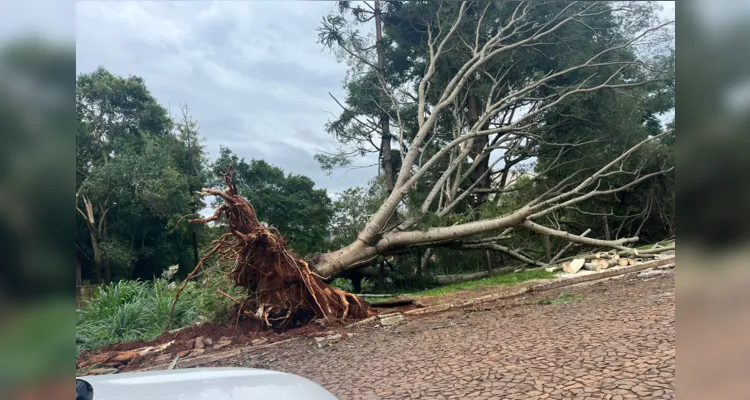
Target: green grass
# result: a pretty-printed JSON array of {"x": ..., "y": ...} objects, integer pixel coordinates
[
  {"x": 495, "y": 280},
  {"x": 563, "y": 298},
  {"x": 132, "y": 310},
  {"x": 136, "y": 310}
]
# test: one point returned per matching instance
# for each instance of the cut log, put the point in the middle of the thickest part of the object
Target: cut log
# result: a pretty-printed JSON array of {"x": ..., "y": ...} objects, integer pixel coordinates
[
  {"x": 651, "y": 253},
  {"x": 631, "y": 261},
  {"x": 600, "y": 264},
  {"x": 574, "y": 266},
  {"x": 95, "y": 359},
  {"x": 596, "y": 265},
  {"x": 624, "y": 262},
  {"x": 124, "y": 356},
  {"x": 397, "y": 302},
  {"x": 376, "y": 296}
]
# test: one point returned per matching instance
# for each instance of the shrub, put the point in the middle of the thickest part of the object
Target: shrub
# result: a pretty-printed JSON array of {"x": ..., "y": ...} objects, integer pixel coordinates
[{"x": 133, "y": 310}]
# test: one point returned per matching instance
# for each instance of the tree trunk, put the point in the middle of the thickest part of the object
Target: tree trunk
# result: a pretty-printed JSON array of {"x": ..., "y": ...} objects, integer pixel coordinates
[
  {"x": 107, "y": 271},
  {"x": 385, "y": 142},
  {"x": 478, "y": 146},
  {"x": 332, "y": 264},
  {"x": 357, "y": 283},
  {"x": 547, "y": 248},
  {"x": 424, "y": 262},
  {"x": 606, "y": 228},
  {"x": 98, "y": 265},
  {"x": 79, "y": 279},
  {"x": 106, "y": 267},
  {"x": 196, "y": 259},
  {"x": 381, "y": 275}
]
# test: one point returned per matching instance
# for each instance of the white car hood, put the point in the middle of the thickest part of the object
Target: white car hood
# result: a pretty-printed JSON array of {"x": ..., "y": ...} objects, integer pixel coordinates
[{"x": 205, "y": 384}]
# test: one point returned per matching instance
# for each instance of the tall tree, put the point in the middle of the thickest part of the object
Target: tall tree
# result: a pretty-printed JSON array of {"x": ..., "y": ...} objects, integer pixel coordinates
[
  {"x": 190, "y": 160},
  {"x": 339, "y": 34},
  {"x": 133, "y": 179},
  {"x": 112, "y": 111}
]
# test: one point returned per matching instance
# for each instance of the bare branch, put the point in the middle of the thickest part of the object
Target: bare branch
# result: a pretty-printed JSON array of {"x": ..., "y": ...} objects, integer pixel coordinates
[{"x": 543, "y": 230}]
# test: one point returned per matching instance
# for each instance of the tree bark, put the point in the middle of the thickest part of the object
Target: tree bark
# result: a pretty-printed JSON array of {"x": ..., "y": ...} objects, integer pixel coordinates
[
  {"x": 606, "y": 228},
  {"x": 332, "y": 264},
  {"x": 478, "y": 147},
  {"x": 547, "y": 248},
  {"x": 98, "y": 265},
  {"x": 79, "y": 279},
  {"x": 424, "y": 262},
  {"x": 385, "y": 141}
]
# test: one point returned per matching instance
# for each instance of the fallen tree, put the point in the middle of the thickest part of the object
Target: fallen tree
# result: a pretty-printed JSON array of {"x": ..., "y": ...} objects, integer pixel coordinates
[
  {"x": 282, "y": 290},
  {"x": 510, "y": 120}
]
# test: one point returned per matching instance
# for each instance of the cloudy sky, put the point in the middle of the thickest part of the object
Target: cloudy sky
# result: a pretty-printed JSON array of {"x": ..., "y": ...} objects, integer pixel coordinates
[{"x": 252, "y": 73}]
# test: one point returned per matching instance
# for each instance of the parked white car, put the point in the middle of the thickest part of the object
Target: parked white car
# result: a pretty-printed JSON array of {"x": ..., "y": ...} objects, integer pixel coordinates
[{"x": 200, "y": 384}]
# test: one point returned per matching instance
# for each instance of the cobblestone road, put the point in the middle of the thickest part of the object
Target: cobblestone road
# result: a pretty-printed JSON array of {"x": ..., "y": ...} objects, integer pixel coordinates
[{"x": 614, "y": 340}]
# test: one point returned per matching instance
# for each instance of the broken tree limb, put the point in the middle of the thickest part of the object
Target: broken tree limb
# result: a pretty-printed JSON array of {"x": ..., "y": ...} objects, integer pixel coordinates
[
  {"x": 543, "y": 230},
  {"x": 376, "y": 296},
  {"x": 397, "y": 302},
  {"x": 503, "y": 249},
  {"x": 567, "y": 247},
  {"x": 457, "y": 278}
]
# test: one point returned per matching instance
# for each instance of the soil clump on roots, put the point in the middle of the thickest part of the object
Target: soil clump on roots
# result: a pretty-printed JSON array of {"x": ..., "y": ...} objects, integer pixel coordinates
[{"x": 282, "y": 290}]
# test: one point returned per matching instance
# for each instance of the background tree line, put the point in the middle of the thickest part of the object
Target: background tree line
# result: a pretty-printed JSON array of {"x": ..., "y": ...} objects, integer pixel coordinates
[{"x": 137, "y": 172}]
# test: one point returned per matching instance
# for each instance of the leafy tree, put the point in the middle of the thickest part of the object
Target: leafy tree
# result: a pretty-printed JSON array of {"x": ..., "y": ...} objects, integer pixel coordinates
[
  {"x": 133, "y": 179},
  {"x": 351, "y": 211}
]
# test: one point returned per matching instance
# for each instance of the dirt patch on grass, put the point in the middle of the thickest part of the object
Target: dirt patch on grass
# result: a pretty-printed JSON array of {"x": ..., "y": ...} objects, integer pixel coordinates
[{"x": 246, "y": 333}]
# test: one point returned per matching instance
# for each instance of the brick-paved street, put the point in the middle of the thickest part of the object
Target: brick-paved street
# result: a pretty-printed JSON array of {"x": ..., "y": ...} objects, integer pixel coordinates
[{"x": 618, "y": 342}]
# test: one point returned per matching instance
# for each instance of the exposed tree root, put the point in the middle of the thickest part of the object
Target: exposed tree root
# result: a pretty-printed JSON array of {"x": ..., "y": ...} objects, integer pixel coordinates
[{"x": 282, "y": 291}]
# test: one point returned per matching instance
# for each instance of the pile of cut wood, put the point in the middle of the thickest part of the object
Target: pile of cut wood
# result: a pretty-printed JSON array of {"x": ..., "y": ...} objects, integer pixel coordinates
[{"x": 597, "y": 262}]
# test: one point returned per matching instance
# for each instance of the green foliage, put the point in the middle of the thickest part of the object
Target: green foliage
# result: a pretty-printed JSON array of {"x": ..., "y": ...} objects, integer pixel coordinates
[
  {"x": 133, "y": 310},
  {"x": 343, "y": 284},
  {"x": 139, "y": 310},
  {"x": 211, "y": 305},
  {"x": 139, "y": 176},
  {"x": 495, "y": 280},
  {"x": 351, "y": 210}
]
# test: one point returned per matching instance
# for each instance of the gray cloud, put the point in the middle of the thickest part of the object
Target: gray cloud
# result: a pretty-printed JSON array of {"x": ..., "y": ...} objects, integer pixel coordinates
[{"x": 252, "y": 73}]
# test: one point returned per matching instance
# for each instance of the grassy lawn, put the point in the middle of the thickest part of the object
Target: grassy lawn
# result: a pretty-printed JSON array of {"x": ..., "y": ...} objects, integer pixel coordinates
[{"x": 496, "y": 280}]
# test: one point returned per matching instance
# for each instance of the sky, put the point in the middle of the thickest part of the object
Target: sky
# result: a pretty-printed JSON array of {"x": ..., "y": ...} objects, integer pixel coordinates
[{"x": 252, "y": 73}]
